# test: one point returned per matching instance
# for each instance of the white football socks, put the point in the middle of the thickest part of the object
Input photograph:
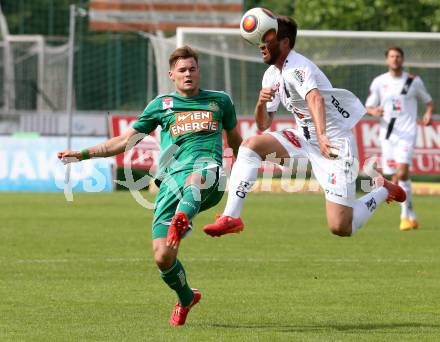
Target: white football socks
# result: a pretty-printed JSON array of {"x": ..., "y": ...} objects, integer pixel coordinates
[
  {"x": 365, "y": 206},
  {"x": 407, "y": 208},
  {"x": 243, "y": 176}
]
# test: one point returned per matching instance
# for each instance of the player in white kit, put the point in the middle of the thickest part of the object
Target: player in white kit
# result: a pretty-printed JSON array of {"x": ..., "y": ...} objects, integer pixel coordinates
[
  {"x": 393, "y": 97},
  {"x": 324, "y": 117}
]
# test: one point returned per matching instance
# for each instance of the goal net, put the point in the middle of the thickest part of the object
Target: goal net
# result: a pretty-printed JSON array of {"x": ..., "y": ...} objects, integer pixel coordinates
[
  {"x": 350, "y": 59},
  {"x": 34, "y": 74}
]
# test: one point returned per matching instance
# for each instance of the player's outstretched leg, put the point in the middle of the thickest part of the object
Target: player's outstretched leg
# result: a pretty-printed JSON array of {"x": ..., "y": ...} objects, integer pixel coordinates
[
  {"x": 364, "y": 207},
  {"x": 395, "y": 192},
  {"x": 224, "y": 225},
  {"x": 243, "y": 176},
  {"x": 180, "y": 312},
  {"x": 187, "y": 209}
]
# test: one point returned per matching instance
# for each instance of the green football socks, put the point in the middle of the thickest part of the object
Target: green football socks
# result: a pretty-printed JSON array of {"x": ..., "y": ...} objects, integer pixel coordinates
[
  {"x": 191, "y": 201},
  {"x": 175, "y": 278}
]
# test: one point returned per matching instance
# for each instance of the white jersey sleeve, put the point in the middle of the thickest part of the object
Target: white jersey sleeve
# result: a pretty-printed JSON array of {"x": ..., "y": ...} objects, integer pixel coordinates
[
  {"x": 270, "y": 80},
  {"x": 373, "y": 99},
  {"x": 302, "y": 78},
  {"x": 421, "y": 92}
]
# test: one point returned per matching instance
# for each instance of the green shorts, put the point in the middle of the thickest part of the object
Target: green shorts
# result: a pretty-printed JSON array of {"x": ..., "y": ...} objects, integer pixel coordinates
[{"x": 170, "y": 192}]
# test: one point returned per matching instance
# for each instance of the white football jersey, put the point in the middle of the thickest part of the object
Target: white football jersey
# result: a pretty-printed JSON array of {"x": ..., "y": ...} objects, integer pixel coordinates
[
  {"x": 298, "y": 76},
  {"x": 386, "y": 91}
]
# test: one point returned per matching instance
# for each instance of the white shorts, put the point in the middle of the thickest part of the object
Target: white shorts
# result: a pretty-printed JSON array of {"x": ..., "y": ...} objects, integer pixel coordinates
[
  {"x": 336, "y": 176},
  {"x": 396, "y": 151}
]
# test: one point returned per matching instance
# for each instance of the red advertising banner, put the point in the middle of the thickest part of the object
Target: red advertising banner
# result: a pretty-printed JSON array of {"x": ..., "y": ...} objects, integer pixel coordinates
[
  {"x": 426, "y": 159},
  {"x": 145, "y": 154}
]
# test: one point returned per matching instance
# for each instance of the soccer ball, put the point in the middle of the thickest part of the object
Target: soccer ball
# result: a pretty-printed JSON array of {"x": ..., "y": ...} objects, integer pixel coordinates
[{"x": 255, "y": 23}]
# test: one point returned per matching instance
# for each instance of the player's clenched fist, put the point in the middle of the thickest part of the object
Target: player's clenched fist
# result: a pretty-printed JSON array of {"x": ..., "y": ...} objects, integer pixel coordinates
[
  {"x": 68, "y": 156},
  {"x": 266, "y": 95}
]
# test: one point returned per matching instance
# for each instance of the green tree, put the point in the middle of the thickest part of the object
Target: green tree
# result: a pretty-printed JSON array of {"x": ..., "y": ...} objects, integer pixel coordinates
[
  {"x": 283, "y": 7},
  {"x": 370, "y": 15}
]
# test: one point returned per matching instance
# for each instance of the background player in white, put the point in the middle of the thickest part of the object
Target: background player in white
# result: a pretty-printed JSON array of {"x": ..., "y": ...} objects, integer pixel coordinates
[
  {"x": 324, "y": 117},
  {"x": 393, "y": 97}
]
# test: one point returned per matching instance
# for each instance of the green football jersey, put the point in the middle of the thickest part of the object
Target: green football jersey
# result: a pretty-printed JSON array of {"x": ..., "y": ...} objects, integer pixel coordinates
[{"x": 191, "y": 135}]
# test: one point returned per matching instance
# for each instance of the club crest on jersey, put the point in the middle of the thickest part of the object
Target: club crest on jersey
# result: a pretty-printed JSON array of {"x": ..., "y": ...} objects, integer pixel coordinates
[
  {"x": 193, "y": 121},
  {"x": 214, "y": 106},
  {"x": 299, "y": 75},
  {"x": 167, "y": 102},
  {"x": 397, "y": 106}
]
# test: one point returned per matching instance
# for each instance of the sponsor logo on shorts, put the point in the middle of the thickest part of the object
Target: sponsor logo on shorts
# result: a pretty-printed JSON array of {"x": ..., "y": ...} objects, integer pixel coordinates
[
  {"x": 333, "y": 193},
  {"x": 193, "y": 121},
  {"x": 332, "y": 178},
  {"x": 340, "y": 109},
  {"x": 167, "y": 102},
  {"x": 291, "y": 137},
  {"x": 371, "y": 204}
]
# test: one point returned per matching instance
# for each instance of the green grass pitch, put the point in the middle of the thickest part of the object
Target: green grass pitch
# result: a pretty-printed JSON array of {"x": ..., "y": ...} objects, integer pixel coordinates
[{"x": 83, "y": 271}]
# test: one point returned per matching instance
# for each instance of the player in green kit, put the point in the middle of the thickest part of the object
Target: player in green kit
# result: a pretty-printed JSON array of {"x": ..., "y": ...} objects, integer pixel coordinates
[{"x": 190, "y": 168}]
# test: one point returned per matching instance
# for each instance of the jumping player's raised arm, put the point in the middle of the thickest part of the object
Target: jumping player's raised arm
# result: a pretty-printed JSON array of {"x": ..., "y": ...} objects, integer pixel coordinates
[
  {"x": 268, "y": 100},
  {"x": 263, "y": 118}
]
